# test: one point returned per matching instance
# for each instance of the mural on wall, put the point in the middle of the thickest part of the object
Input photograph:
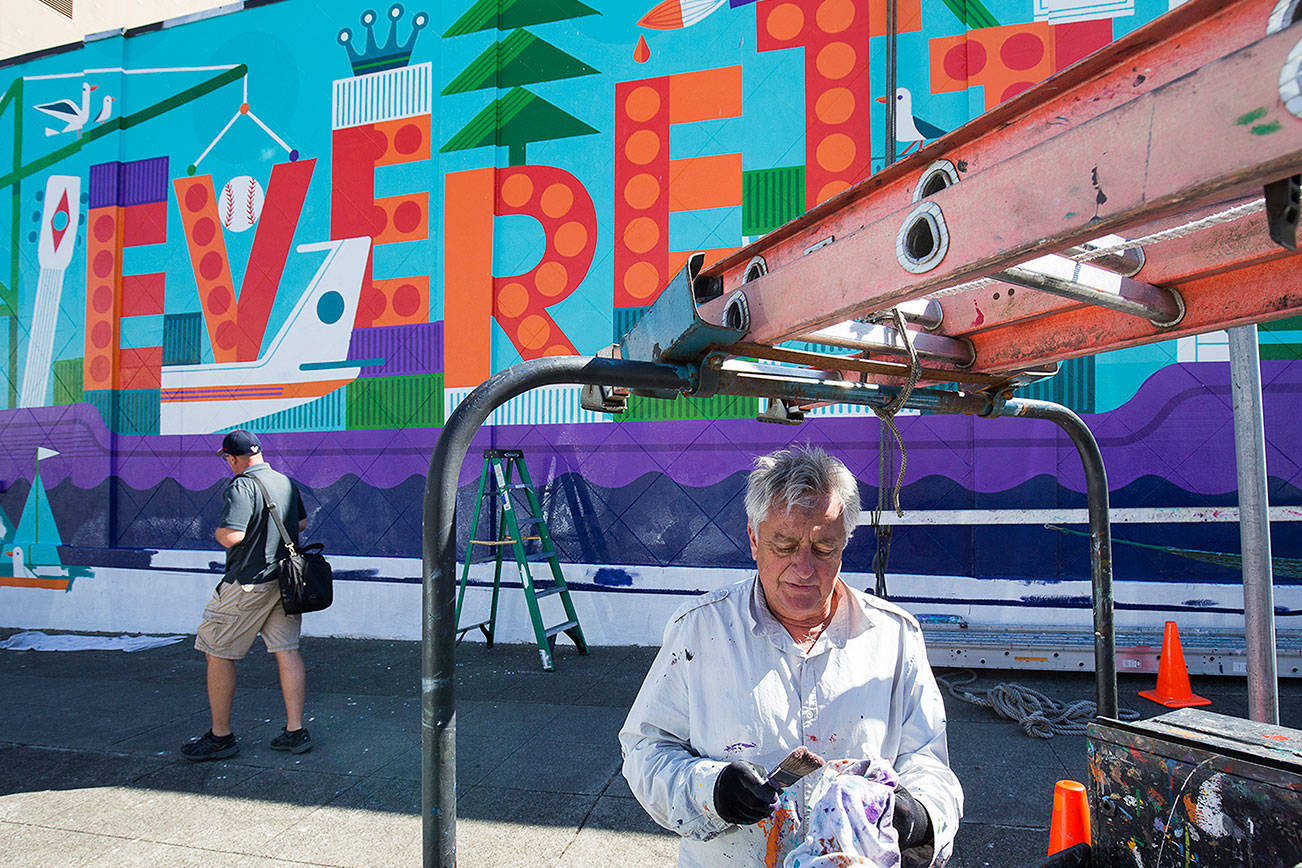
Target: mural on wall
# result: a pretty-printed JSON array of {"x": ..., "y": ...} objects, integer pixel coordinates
[{"x": 331, "y": 239}]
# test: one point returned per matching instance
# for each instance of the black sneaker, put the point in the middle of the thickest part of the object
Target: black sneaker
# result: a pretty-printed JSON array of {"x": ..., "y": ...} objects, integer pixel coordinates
[
  {"x": 210, "y": 747},
  {"x": 297, "y": 741}
]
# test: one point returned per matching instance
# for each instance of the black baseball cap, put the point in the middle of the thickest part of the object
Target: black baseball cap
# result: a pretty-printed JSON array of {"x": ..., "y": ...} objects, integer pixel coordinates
[{"x": 240, "y": 442}]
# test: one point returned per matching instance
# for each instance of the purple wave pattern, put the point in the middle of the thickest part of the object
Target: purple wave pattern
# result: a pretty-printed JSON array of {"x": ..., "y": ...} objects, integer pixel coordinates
[{"x": 1178, "y": 426}]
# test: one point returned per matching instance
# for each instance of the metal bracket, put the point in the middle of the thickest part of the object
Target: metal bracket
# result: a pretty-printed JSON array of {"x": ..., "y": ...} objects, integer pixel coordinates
[
  {"x": 779, "y": 412},
  {"x": 1282, "y": 210},
  {"x": 672, "y": 330},
  {"x": 604, "y": 399}
]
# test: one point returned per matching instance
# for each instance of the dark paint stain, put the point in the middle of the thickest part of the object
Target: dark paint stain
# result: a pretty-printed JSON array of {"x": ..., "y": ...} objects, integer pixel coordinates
[
  {"x": 1059, "y": 600},
  {"x": 1140, "y": 79},
  {"x": 1267, "y": 129},
  {"x": 961, "y": 165},
  {"x": 1099, "y": 196},
  {"x": 612, "y": 578}
]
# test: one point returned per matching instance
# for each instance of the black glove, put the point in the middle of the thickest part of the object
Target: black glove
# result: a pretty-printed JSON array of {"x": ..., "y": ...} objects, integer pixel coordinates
[
  {"x": 911, "y": 821},
  {"x": 740, "y": 794}
]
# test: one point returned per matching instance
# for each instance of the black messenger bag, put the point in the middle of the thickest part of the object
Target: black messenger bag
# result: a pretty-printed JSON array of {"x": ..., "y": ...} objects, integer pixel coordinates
[{"x": 306, "y": 580}]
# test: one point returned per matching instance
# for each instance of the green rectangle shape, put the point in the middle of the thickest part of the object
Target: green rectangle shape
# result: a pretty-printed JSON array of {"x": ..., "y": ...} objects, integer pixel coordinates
[
  {"x": 715, "y": 407},
  {"x": 182, "y": 338},
  {"x": 624, "y": 318},
  {"x": 771, "y": 197},
  {"x": 127, "y": 411},
  {"x": 1292, "y": 323},
  {"x": 1073, "y": 386},
  {"x": 324, "y": 414},
  {"x": 68, "y": 381},
  {"x": 1280, "y": 352},
  {"x": 375, "y": 403}
]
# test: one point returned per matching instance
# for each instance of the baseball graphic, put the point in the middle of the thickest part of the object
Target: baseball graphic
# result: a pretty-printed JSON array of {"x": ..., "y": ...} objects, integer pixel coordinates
[{"x": 240, "y": 203}]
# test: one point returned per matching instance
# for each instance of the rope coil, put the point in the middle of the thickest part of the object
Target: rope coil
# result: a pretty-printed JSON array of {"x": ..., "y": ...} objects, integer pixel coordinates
[{"x": 1039, "y": 716}]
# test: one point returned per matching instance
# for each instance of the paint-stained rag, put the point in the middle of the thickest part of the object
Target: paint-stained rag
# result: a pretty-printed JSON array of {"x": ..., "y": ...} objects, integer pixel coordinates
[{"x": 850, "y": 818}]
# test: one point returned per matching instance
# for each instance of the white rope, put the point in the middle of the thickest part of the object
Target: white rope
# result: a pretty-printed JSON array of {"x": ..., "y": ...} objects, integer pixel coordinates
[
  {"x": 1226, "y": 216},
  {"x": 1038, "y": 715}
]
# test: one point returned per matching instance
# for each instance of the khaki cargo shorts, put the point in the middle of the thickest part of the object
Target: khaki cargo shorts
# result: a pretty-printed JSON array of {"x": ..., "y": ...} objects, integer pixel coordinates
[{"x": 238, "y": 613}]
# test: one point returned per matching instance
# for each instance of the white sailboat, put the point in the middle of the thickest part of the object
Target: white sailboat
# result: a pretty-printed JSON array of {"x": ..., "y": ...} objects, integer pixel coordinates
[
  {"x": 304, "y": 361},
  {"x": 33, "y": 545}
]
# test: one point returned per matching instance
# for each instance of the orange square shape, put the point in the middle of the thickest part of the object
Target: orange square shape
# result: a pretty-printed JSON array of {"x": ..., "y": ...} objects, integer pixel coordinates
[
  {"x": 1004, "y": 60},
  {"x": 395, "y": 301},
  {"x": 406, "y": 218}
]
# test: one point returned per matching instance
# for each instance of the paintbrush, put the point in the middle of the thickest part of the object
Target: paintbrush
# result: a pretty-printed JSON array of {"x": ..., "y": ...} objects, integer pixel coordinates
[{"x": 798, "y": 763}]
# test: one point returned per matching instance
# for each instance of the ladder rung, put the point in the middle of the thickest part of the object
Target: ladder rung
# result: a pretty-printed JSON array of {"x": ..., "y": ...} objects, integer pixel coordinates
[
  {"x": 539, "y": 593},
  {"x": 483, "y": 623},
  {"x": 561, "y": 628},
  {"x": 501, "y": 542},
  {"x": 539, "y": 557},
  {"x": 529, "y": 521},
  {"x": 510, "y": 486}
]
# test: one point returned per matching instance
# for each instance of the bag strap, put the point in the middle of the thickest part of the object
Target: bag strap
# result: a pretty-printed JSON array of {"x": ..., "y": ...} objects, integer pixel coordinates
[{"x": 275, "y": 513}]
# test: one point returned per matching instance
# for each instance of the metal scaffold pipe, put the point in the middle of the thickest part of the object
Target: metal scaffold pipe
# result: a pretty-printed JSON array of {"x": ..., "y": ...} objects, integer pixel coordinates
[
  {"x": 716, "y": 375},
  {"x": 1096, "y": 484},
  {"x": 1254, "y": 525},
  {"x": 439, "y": 566}
]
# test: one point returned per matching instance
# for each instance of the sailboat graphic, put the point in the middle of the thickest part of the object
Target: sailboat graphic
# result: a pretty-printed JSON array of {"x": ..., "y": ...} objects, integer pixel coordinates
[
  {"x": 33, "y": 547},
  {"x": 305, "y": 360}
]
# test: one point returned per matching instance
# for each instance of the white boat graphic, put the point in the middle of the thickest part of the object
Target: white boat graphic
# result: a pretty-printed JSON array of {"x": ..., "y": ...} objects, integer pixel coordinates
[{"x": 305, "y": 360}]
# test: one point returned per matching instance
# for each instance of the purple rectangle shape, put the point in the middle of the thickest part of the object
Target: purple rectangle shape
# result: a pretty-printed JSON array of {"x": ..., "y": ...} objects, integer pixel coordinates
[
  {"x": 401, "y": 349},
  {"x": 135, "y": 183},
  {"x": 143, "y": 181},
  {"x": 104, "y": 184}
]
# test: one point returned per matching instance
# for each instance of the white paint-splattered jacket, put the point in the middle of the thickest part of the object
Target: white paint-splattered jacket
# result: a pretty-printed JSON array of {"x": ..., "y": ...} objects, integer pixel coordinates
[{"x": 729, "y": 683}]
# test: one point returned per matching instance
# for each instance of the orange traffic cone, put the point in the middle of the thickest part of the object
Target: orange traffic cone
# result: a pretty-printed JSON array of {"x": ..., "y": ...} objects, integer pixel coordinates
[
  {"x": 1173, "y": 688},
  {"x": 1071, "y": 816}
]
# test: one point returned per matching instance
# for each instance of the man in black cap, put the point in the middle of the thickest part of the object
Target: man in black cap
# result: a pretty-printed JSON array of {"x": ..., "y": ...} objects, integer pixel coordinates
[{"x": 247, "y": 601}]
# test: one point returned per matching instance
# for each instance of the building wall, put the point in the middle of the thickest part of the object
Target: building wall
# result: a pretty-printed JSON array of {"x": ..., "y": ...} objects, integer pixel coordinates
[
  {"x": 34, "y": 25},
  {"x": 330, "y": 229}
]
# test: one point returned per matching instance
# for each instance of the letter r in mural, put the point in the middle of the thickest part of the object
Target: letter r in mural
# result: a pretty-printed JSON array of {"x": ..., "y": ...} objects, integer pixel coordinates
[{"x": 473, "y": 296}]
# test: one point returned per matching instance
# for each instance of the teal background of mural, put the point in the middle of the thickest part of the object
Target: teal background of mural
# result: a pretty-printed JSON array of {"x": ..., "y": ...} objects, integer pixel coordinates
[
  {"x": 292, "y": 55},
  {"x": 563, "y": 81}
]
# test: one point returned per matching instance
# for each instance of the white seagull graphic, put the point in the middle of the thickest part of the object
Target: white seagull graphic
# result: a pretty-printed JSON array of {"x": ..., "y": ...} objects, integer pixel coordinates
[
  {"x": 75, "y": 116},
  {"x": 106, "y": 111},
  {"x": 909, "y": 128}
]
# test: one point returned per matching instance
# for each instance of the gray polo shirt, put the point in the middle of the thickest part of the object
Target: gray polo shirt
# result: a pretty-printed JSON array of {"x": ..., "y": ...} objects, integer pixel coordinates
[{"x": 243, "y": 509}]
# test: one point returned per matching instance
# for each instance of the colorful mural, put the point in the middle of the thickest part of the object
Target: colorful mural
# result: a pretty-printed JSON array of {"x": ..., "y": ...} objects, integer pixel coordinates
[{"x": 328, "y": 224}]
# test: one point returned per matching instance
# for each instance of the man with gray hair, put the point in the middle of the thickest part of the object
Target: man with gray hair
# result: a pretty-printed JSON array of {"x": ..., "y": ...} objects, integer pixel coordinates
[{"x": 791, "y": 658}]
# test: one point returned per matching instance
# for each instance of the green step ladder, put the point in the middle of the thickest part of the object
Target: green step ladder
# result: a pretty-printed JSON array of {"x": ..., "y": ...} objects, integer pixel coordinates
[{"x": 503, "y": 467}]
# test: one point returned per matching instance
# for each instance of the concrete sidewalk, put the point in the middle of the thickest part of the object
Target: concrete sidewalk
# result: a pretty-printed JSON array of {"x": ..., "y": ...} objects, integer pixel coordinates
[{"x": 90, "y": 772}]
